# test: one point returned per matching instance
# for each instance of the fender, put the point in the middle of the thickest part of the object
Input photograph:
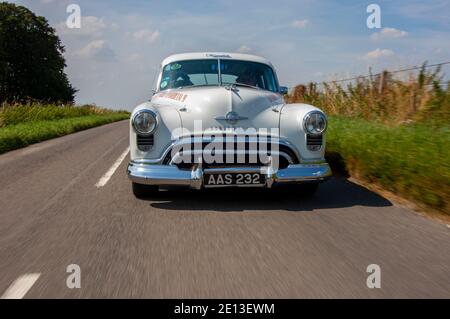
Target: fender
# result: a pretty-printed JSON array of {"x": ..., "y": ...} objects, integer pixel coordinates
[{"x": 292, "y": 128}]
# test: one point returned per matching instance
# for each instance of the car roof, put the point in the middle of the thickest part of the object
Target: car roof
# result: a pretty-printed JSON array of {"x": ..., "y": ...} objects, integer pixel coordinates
[{"x": 215, "y": 55}]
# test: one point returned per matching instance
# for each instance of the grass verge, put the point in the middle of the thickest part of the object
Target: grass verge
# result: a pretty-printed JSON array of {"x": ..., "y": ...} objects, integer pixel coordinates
[
  {"x": 12, "y": 114},
  {"x": 23, "y": 134},
  {"x": 409, "y": 160}
]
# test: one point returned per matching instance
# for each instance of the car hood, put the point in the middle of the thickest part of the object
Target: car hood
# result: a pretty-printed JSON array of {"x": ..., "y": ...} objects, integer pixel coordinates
[{"x": 222, "y": 108}]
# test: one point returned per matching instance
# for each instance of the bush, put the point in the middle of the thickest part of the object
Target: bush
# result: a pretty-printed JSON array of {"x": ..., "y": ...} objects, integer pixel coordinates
[{"x": 382, "y": 98}]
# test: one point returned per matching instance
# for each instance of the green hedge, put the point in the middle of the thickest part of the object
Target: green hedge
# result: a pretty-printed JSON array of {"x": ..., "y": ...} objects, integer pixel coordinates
[
  {"x": 411, "y": 160},
  {"x": 21, "y": 135},
  {"x": 12, "y": 114}
]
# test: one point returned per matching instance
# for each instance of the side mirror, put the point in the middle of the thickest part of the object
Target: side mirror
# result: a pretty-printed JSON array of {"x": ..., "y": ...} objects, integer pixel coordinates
[{"x": 283, "y": 90}]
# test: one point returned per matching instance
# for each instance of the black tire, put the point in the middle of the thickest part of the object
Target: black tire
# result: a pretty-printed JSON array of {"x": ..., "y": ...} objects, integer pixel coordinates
[{"x": 144, "y": 191}]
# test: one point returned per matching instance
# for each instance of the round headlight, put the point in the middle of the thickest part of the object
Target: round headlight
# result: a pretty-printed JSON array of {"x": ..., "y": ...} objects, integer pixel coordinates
[
  {"x": 144, "y": 122},
  {"x": 315, "y": 123}
]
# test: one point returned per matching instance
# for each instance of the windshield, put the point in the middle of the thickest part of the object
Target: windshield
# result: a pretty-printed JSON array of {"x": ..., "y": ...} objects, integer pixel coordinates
[{"x": 205, "y": 72}]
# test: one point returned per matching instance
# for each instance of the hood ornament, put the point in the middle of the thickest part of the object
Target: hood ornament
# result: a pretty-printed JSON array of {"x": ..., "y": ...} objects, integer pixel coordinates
[
  {"x": 231, "y": 118},
  {"x": 231, "y": 87}
]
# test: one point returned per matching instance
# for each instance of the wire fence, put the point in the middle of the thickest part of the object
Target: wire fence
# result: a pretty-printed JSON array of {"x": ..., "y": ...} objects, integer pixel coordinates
[{"x": 361, "y": 77}]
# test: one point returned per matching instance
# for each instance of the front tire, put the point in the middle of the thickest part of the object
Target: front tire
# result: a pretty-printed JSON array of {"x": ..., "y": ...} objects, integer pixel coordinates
[{"x": 144, "y": 191}]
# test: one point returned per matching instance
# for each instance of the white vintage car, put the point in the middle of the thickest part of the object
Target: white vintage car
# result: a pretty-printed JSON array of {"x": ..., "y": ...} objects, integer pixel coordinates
[{"x": 220, "y": 120}]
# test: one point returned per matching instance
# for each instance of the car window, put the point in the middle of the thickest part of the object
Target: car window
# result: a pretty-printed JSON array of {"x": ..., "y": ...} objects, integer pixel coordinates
[
  {"x": 248, "y": 73},
  {"x": 189, "y": 73},
  {"x": 205, "y": 72}
]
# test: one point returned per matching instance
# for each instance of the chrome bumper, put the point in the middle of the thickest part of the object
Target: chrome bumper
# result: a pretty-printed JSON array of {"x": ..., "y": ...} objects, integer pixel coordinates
[{"x": 170, "y": 175}]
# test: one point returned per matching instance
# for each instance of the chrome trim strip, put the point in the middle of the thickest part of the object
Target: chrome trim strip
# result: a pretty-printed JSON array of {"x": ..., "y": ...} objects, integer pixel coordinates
[
  {"x": 164, "y": 175},
  {"x": 237, "y": 118},
  {"x": 178, "y": 157},
  {"x": 302, "y": 173}
]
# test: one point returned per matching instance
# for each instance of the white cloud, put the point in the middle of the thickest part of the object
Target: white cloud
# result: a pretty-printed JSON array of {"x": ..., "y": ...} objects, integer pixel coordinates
[
  {"x": 379, "y": 53},
  {"x": 244, "y": 49},
  {"x": 90, "y": 26},
  {"x": 96, "y": 49},
  {"x": 389, "y": 33},
  {"x": 299, "y": 24},
  {"x": 146, "y": 35}
]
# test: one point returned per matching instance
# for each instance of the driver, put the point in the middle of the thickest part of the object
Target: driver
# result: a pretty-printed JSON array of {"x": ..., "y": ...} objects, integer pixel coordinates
[
  {"x": 179, "y": 79},
  {"x": 248, "y": 77}
]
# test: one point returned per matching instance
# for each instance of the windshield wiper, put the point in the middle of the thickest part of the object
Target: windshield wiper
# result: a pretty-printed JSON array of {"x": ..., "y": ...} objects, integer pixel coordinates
[
  {"x": 195, "y": 85},
  {"x": 243, "y": 84}
]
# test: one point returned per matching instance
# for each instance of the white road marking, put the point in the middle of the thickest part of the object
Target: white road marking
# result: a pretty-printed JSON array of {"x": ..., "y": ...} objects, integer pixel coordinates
[
  {"x": 20, "y": 286},
  {"x": 105, "y": 178}
]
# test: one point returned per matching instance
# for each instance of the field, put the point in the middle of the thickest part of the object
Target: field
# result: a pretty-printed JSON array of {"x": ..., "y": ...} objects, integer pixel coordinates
[
  {"x": 22, "y": 125},
  {"x": 391, "y": 132}
]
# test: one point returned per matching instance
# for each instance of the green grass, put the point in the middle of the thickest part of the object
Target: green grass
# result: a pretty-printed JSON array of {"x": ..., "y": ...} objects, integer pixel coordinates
[
  {"x": 33, "y": 112},
  {"x": 409, "y": 160},
  {"x": 25, "y": 124}
]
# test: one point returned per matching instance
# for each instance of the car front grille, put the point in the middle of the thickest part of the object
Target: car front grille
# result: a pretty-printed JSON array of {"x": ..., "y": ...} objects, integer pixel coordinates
[
  {"x": 314, "y": 142},
  {"x": 238, "y": 152},
  {"x": 145, "y": 143}
]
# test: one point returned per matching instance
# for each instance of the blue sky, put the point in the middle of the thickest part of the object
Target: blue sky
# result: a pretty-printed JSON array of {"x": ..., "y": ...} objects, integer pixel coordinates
[{"x": 114, "y": 57}]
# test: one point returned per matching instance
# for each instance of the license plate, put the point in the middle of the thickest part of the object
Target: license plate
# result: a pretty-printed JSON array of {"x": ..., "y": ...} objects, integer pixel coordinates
[{"x": 233, "y": 179}]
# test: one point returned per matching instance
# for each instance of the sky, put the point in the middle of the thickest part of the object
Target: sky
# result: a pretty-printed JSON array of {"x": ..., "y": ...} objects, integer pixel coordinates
[{"x": 113, "y": 59}]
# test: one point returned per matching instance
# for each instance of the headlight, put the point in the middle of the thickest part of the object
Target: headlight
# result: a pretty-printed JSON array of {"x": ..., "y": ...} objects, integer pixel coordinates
[
  {"x": 144, "y": 122},
  {"x": 315, "y": 123}
]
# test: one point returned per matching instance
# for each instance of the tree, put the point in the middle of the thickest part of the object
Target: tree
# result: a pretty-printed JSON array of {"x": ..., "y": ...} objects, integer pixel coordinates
[{"x": 31, "y": 59}]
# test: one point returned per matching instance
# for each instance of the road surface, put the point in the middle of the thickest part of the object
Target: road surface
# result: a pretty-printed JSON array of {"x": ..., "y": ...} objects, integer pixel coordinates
[{"x": 208, "y": 244}]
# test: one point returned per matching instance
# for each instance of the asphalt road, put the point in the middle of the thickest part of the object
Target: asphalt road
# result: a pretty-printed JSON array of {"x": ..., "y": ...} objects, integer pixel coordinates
[{"x": 208, "y": 244}]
